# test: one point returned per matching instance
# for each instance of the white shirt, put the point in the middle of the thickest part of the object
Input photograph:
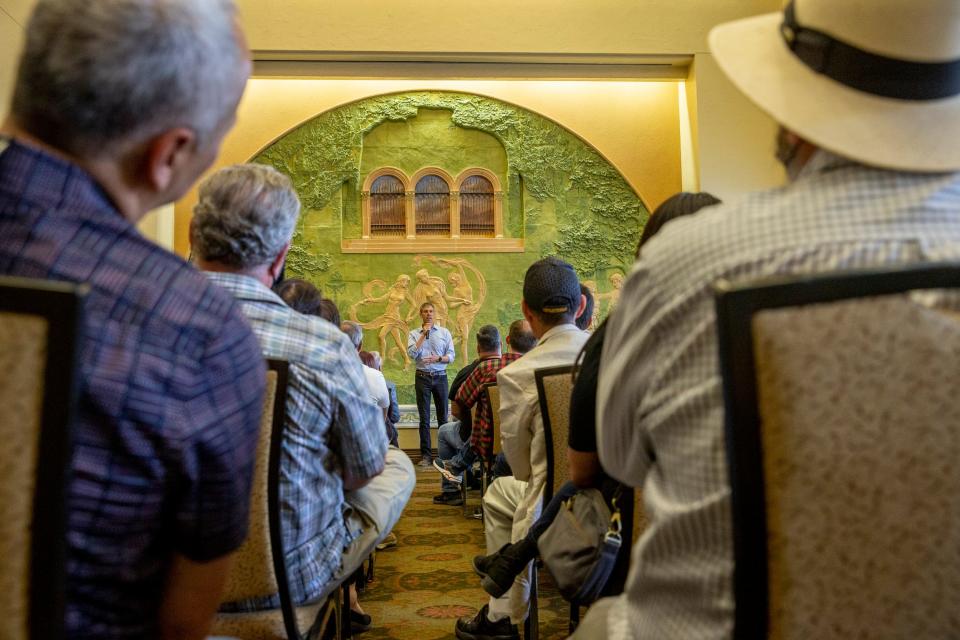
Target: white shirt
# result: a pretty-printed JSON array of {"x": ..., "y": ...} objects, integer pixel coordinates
[
  {"x": 659, "y": 402},
  {"x": 378, "y": 387},
  {"x": 521, "y": 426}
]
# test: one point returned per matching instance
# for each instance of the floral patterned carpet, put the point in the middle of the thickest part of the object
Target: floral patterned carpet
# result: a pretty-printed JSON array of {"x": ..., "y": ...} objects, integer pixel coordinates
[{"x": 425, "y": 583}]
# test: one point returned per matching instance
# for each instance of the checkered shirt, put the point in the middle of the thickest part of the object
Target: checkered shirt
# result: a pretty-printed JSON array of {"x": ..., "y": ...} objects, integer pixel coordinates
[
  {"x": 660, "y": 408},
  {"x": 171, "y": 391},
  {"x": 332, "y": 428},
  {"x": 471, "y": 393}
]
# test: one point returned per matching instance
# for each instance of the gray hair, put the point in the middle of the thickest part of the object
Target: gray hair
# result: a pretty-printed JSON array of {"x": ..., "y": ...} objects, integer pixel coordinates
[
  {"x": 244, "y": 216},
  {"x": 95, "y": 73},
  {"x": 354, "y": 331}
]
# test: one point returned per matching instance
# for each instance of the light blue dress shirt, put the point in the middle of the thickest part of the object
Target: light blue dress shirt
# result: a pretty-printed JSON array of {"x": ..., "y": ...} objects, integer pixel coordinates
[{"x": 438, "y": 343}]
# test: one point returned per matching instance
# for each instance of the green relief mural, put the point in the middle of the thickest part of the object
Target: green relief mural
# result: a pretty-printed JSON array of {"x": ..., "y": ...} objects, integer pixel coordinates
[{"x": 560, "y": 197}]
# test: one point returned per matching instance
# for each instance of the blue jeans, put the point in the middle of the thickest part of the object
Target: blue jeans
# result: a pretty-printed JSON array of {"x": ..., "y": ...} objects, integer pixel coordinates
[
  {"x": 449, "y": 446},
  {"x": 427, "y": 386}
]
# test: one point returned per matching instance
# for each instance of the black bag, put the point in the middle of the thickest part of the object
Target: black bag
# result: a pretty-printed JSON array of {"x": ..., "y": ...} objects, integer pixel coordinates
[{"x": 580, "y": 546}]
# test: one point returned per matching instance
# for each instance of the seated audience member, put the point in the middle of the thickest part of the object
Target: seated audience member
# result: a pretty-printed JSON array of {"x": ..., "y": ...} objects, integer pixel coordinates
[
  {"x": 378, "y": 387},
  {"x": 375, "y": 380},
  {"x": 393, "y": 410},
  {"x": 463, "y": 446},
  {"x": 585, "y": 319},
  {"x": 873, "y": 195},
  {"x": 500, "y": 569},
  {"x": 551, "y": 303},
  {"x": 347, "y": 488},
  {"x": 300, "y": 295},
  {"x": 99, "y": 133},
  {"x": 448, "y": 436},
  {"x": 329, "y": 312}
]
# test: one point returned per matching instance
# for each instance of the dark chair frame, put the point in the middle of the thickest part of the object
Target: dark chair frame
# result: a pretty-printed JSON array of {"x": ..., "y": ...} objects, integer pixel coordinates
[
  {"x": 735, "y": 307},
  {"x": 539, "y": 375},
  {"x": 61, "y": 304}
]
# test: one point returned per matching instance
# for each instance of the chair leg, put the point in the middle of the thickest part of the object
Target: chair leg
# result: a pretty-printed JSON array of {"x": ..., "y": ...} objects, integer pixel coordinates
[
  {"x": 345, "y": 630},
  {"x": 574, "y": 617},
  {"x": 531, "y": 626},
  {"x": 371, "y": 563}
]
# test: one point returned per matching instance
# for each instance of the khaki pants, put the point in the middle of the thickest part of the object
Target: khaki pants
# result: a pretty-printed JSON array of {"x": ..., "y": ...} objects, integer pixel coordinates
[{"x": 376, "y": 509}]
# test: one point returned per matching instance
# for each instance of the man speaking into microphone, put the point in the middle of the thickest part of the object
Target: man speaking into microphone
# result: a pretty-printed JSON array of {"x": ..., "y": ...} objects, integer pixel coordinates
[{"x": 432, "y": 349}]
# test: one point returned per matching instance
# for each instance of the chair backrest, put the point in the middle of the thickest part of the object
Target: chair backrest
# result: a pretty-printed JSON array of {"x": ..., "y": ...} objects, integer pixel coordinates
[
  {"x": 258, "y": 567},
  {"x": 41, "y": 327},
  {"x": 493, "y": 397},
  {"x": 843, "y": 435},
  {"x": 554, "y": 387}
]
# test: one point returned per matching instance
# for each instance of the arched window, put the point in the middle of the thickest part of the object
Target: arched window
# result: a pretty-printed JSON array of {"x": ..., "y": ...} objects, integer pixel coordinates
[
  {"x": 387, "y": 214},
  {"x": 477, "y": 207},
  {"x": 432, "y": 206}
]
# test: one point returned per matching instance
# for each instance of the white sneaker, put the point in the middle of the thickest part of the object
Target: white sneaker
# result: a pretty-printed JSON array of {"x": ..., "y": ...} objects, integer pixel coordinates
[{"x": 447, "y": 475}]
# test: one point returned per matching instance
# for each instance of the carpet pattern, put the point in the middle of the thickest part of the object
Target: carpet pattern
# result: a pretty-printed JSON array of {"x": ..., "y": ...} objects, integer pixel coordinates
[{"x": 426, "y": 582}]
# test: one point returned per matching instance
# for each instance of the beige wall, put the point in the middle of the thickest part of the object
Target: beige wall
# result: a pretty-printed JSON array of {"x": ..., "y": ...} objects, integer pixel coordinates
[
  {"x": 734, "y": 140},
  {"x": 635, "y": 125},
  {"x": 604, "y": 27}
]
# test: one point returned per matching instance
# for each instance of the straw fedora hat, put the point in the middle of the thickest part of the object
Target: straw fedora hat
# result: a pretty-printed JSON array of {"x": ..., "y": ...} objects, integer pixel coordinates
[{"x": 876, "y": 81}]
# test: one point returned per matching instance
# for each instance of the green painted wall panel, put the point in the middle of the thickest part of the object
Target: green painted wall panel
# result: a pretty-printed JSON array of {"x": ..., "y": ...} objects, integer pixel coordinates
[{"x": 561, "y": 197}]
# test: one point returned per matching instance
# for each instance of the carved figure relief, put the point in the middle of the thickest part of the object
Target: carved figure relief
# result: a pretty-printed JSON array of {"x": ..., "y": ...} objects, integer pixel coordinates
[
  {"x": 467, "y": 307},
  {"x": 612, "y": 296},
  {"x": 429, "y": 289},
  {"x": 393, "y": 325},
  {"x": 391, "y": 322}
]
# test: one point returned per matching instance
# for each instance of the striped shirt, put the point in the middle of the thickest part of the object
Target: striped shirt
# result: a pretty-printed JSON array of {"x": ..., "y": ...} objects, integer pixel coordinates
[
  {"x": 471, "y": 393},
  {"x": 332, "y": 428},
  {"x": 660, "y": 409},
  {"x": 171, "y": 391}
]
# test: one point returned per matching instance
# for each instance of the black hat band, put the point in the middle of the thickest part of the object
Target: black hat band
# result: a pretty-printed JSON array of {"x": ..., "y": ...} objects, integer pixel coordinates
[{"x": 869, "y": 72}]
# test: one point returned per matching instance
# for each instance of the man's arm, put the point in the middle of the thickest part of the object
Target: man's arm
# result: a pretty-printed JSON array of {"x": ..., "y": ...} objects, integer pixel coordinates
[
  {"x": 626, "y": 369},
  {"x": 191, "y": 596},
  {"x": 358, "y": 430},
  {"x": 414, "y": 343},
  {"x": 516, "y": 423},
  {"x": 449, "y": 352},
  {"x": 584, "y": 467}
]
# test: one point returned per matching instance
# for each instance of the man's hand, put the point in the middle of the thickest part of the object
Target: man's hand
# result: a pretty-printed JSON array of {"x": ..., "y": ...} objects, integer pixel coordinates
[
  {"x": 431, "y": 359},
  {"x": 427, "y": 326}
]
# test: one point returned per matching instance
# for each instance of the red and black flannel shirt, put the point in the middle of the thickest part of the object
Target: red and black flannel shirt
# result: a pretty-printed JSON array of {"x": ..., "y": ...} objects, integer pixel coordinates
[{"x": 471, "y": 392}]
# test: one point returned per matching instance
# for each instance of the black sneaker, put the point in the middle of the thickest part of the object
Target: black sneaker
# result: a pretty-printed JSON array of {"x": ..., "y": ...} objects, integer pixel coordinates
[
  {"x": 449, "y": 498},
  {"x": 359, "y": 622},
  {"x": 498, "y": 570},
  {"x": 479, "y": 627}
]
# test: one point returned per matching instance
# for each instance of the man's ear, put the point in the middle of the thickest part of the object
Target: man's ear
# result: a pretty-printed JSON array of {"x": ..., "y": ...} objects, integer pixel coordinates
[
  {"x": 166, "y": 153},
  {"x": 582, "y": 307},
  {"x": 525, "y": 310},
  {"x": 277, "y": 265}
]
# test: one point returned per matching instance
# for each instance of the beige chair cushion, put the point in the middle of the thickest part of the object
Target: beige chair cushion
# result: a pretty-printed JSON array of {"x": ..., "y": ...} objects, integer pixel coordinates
[
  {"x": 558, "y": 388},
  {"x": 23, "y": 352},
  {"x": 251, "y": 574},
  {"x": 861, "y": 438}
]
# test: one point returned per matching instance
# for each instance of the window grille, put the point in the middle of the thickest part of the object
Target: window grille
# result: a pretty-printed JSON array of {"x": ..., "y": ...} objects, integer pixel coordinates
[
  {"x": 432, "y": 206},
  {"x": 387, "y": 211},
  {"x": 476, "y": 207}
]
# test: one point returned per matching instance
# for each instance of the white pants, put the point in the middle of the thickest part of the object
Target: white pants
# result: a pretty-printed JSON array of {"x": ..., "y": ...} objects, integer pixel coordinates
[
  {"x": 377, "y": 507},
  {"x": 500, "y": 504}
]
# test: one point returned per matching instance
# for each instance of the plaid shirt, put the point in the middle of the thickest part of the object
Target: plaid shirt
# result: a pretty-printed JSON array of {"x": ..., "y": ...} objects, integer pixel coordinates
[
  {"x": 659, "y": 401},
  {"x": 171, "y": 391},
  {"x": 471, "y": 393},
  {"x": 332, "y": 428}
]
